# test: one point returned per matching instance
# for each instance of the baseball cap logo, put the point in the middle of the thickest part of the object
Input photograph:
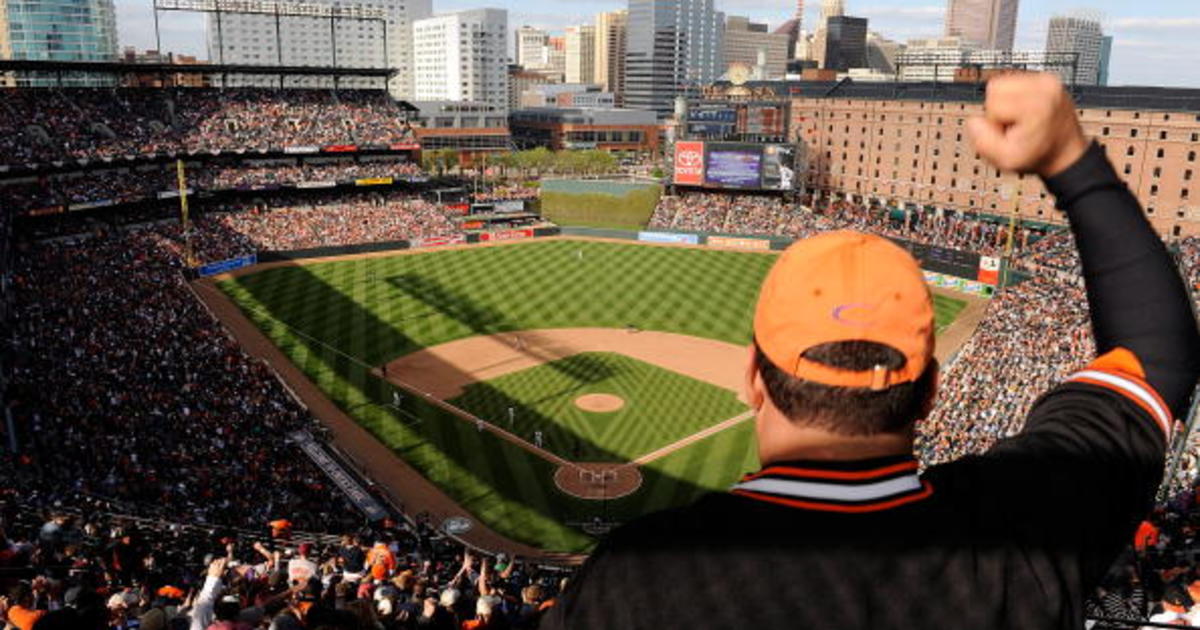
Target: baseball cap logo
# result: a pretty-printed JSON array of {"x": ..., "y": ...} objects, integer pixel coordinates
[{"x": 857, "y": 314}]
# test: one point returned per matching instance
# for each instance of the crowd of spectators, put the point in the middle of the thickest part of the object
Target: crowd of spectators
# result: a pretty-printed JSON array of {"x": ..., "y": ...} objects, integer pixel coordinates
[
  {"x": 331, "y": 220},
  {"x": 734, "y": 213},
  {"x": 44, "y": 124},
  {"x": 506, "y": 193},
  {"x": 91, "y": 570},
  {"x": 135, "y": 184},
  {"x": 238, "y": 176}
]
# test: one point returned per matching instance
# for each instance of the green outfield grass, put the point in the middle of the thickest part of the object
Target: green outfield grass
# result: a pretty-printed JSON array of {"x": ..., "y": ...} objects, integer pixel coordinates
[
  {"x": 661, "y": 406},
  {"x": 946, "y": 310},
  {"x": 336, "y": 320}
]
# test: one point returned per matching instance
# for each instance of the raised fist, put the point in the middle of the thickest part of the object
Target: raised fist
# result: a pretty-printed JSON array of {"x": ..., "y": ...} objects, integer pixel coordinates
[{"x": 1028, "y": 125}]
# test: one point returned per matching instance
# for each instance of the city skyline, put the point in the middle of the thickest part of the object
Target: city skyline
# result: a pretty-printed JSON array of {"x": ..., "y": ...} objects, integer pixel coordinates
[{"x": 1152, "y": 43}]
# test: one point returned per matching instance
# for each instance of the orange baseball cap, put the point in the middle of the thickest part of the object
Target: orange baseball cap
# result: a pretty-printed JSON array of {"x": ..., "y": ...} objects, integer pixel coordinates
[{"x": 845, "y": 286}]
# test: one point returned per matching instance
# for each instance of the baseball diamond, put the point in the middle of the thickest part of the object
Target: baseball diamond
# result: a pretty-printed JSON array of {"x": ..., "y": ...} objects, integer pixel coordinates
[{"x": 500, "y": 430}]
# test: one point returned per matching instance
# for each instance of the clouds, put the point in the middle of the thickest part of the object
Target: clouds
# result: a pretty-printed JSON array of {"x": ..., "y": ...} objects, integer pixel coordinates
[{"x": 1151, "y": 23}]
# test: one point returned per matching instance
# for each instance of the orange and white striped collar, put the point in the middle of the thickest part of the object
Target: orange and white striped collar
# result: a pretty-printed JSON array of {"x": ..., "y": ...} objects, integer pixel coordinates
[{"x": 841, "y": 486}]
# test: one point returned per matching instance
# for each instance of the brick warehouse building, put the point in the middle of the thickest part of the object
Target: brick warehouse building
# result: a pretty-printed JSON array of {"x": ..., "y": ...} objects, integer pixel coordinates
[{"x": 907, "y": 143}]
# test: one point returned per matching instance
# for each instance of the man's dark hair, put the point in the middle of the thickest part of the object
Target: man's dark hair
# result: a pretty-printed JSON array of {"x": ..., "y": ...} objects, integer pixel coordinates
[{"x": 848, "y": 410}]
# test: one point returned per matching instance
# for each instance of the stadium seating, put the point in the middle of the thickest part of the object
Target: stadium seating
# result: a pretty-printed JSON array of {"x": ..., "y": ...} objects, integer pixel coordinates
[{"x": 44, "y": 125}]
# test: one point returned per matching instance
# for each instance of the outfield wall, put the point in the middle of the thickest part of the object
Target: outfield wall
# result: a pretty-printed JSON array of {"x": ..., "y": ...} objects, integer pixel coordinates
[
  {"x": 388, "y": 246},
  {"x": 946, "y": 268}
]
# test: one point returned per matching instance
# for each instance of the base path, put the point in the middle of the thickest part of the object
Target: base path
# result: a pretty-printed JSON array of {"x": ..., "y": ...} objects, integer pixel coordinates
[{"x": 443, "y": 371}]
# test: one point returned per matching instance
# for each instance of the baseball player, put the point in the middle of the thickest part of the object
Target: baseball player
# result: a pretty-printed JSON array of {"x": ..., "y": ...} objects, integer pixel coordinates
[
  {"x": 537, "y": 439},
  {"x": 838, "y": 529}
]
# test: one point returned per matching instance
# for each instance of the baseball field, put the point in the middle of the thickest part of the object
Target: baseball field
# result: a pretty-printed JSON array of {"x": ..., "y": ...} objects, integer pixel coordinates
[{"x": 545, "y": 385}]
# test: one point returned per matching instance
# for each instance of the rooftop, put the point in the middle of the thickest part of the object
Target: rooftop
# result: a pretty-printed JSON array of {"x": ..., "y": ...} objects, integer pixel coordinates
[{"x": 1122, "y": 97}]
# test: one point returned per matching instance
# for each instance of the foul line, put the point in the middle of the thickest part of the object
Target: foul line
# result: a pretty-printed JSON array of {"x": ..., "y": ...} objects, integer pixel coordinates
[{"x": 691, "y": 439}]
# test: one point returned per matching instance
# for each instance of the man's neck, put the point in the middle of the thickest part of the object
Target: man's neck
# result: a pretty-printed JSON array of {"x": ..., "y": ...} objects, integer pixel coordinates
[{"x": 814, "y": 444}]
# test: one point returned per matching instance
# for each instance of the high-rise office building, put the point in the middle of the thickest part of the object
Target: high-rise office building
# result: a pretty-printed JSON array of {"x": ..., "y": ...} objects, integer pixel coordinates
[
  {"x": 461, "y": 56},
  {"x": 59, "y": 30},
  {"x": 845, "y": 43},
  {"x": 748, "y": 43},
  {"x": 1079, "y": 33},
  {"x": 612, "y": 34},
  {"x": 674, "y": 45},
  {"x": 556, "y": 56},
  {"x": 1105, "y": 58},
  {"x": 241, "y": 38},
  {"x": 580, "y": 54},
  {"x": 531, "y": 48},
  {"x": 987, "y": 24}
]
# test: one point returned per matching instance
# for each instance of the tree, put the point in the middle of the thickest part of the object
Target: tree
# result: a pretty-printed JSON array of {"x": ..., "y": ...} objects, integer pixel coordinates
[
  {"x": 450, "y": 159},
  {"x": 541, "y": 159}
]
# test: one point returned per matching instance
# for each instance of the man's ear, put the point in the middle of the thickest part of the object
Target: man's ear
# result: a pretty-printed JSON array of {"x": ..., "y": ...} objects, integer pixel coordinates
[{"x": 752, "y": 385}]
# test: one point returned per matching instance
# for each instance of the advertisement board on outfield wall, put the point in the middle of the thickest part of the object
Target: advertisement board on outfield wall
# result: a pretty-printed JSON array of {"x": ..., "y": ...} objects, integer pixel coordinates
[
  {"x": 373, "y": 181},
  {"x": 689, "y": 163},
  {"x": 439, "y": 241},
  {"x": 989, "y": 270},
  {"x": 506, "y": 235},
  {"x": 734, "y": 242},
  {"x": 970, "y": 287},
  {"x": 669, "y": 237},
  {"x": 212, "y": 269}
]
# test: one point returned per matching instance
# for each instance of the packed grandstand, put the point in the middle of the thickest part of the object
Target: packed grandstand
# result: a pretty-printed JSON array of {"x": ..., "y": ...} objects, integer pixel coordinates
[{"x": 144, "y": 474}]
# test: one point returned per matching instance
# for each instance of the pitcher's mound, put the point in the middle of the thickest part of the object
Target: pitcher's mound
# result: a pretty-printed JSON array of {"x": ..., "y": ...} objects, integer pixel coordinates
[
  {"x": 599, "y": 403},
  {"x": 598, "y": 481}
]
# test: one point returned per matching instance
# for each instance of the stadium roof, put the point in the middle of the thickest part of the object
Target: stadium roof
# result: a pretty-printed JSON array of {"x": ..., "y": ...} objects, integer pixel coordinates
[
  {"x": 1124, "y": 97},
  {"x": 112, "y": 67}
]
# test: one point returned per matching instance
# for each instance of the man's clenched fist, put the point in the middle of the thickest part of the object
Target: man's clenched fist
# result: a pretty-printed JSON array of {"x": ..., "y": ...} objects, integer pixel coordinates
[{"x": 1028, "y": 125}]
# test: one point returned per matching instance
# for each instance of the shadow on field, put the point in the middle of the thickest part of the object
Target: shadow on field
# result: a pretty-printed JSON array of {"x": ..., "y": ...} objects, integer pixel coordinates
[
  {"x": 488, "y": 468},
  {"x": 483, "y": 320}
]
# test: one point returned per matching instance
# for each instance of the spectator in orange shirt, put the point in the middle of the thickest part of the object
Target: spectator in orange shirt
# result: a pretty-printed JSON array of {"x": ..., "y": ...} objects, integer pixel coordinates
[
  {"x": 1145, "y": 536},
  {"x": 21, "y": 613},
  {"x": 381, "y": 561}
]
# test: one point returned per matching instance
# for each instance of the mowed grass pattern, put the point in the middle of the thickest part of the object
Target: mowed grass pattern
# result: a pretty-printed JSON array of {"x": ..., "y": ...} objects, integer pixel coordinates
[
  {"x": 661, "y": 407},
  {"x": 336, "y": 320},
  {"x": 946, "y": 310}
]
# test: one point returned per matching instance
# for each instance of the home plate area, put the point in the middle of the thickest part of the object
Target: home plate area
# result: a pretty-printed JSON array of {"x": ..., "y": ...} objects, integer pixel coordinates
[{"x": 598, "y": 481}]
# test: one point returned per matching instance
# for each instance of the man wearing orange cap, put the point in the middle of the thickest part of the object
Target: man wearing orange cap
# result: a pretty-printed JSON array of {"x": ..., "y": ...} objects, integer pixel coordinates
[{"x": 839, "y": 529}]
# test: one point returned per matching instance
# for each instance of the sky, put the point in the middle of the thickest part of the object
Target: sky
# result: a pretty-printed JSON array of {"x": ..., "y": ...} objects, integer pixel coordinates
[{"x": 1155, "y": 42}]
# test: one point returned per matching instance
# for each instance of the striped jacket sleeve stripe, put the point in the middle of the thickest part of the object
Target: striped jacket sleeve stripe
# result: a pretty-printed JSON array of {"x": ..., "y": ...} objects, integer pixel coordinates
[{"x": 1136, "y": 390}]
